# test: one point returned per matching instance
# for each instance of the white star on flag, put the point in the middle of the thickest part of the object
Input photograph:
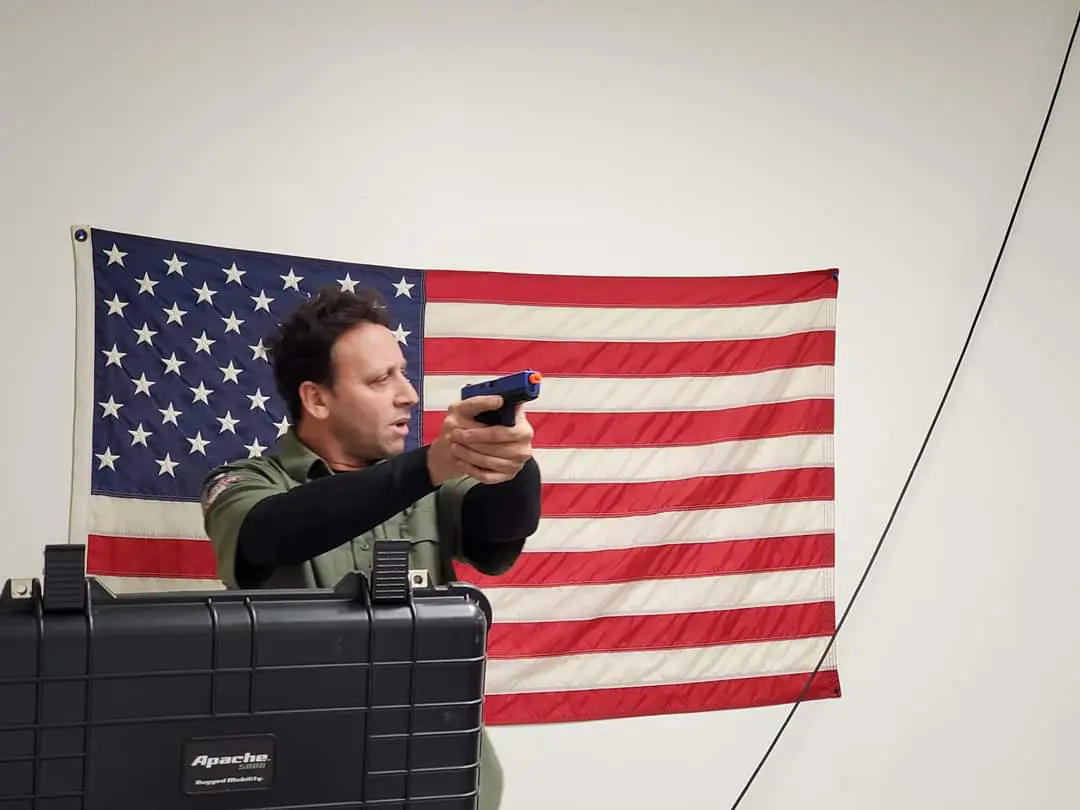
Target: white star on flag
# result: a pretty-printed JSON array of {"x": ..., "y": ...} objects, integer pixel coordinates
[
  {"x": 176, "y": 315},
  {"x": 232, "y": 323},
  {"x": 206, "y": 295},
  {"x": 142, "y": 385},
  {"x": 107, "y": 459},
  {"x": 147, "y": 284},
  {"x": 291, "y": 281},
  {"x": 232, "y": 274},
  {"x": 140, "y": 435},
  {"x": 113, "y": 356},
  {"x": 231, "y": 373},
  {"x": 201, "y": 394},
  {"x": 169, "y": 415},
  {"x": 258, "y": 400},
  {"x": 111, "y": 407},
  {"x": 199, "y": 444},
  {"x": 167, "y": 465},
  {"x": 203, "y": 343},
  {"x": 228, "y": 423},
  {"x": 175, "y": 265},
  {"x": 146, "y": 334},
  {"x": 116, "y": 256},
  {"x": 261, "y": 301},
  {"x": 172, "y": 363},
  {"x": 116, "y": 306}
]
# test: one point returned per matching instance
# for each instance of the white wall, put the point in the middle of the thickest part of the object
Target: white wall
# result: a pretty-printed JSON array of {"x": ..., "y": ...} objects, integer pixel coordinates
[{"x": 888, "y": 139}]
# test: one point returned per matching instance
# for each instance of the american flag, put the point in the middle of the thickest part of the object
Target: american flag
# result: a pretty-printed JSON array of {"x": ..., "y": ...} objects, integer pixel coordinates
[{"x": 685, "y": 556}]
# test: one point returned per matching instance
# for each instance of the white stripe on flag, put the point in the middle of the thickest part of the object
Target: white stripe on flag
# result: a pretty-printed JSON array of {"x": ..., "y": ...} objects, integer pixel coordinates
[
  {"x": 657, "y": 596},
  {"x": 684, "y": 526},
  {"x": 656, "y": 667},
  {"x": 183, "y": 521},
  {"x": 659, "y": 394},
  {"x": 627, "y": 464},
  {"x": 125, "y": 584},
  {"x": 133, "y": 517},
  {"x": 514, "y": 322}
]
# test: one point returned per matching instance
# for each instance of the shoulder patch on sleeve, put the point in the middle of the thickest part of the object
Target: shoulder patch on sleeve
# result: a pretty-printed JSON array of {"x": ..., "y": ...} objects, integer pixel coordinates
[{"x": 215, "y": 487}]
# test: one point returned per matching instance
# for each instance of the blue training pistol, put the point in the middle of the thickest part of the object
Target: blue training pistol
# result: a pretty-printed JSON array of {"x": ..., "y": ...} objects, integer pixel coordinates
[{"x": 522, "y": 386}]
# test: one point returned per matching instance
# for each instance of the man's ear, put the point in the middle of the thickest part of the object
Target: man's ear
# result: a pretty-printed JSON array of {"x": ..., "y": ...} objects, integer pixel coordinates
[{"x": 315, "y": 399}]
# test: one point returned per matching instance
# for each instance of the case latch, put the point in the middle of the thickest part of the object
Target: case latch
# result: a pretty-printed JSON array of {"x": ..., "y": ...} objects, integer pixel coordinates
[
  {"x": 390, "y": 575},
  {"x": 64, "y": 587}
]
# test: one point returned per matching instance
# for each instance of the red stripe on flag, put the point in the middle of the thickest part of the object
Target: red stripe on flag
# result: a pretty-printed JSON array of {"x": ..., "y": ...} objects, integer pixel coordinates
[
  {"x": 650, "y": 497},
  {"x": 194, "y": 559},
  {"x": 163, "y": 557},
  {"x": 669, "y": 428},
  {"x": 578, "y": 705},
  {"x": 638, "y": 359},
  {"x": 661, "y": 631},
  {"x": 535, "y": 569},
  {"x": 600, "y": 291}
]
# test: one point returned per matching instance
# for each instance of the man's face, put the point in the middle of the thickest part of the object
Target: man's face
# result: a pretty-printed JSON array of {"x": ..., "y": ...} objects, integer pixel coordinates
[{"x": 368, "y": 407}]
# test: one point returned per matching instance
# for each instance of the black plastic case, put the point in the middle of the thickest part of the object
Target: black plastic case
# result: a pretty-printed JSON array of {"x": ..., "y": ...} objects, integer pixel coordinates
[{"x": 364, "y": 696}]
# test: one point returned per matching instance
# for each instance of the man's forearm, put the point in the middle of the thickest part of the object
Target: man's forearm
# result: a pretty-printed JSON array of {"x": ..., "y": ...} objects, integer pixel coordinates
[{"x": 498, "y": 514}]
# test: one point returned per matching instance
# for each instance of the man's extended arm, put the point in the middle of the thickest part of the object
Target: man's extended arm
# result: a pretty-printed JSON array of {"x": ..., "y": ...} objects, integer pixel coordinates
[{"x": 257, "y": 525}]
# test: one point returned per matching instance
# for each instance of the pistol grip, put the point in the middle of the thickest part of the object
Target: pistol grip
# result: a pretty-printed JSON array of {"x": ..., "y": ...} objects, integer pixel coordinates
[{"x": 505, "y": 416}]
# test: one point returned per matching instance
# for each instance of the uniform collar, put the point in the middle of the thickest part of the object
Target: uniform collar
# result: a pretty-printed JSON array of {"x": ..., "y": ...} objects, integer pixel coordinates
[{"x": 299, "y": 461}]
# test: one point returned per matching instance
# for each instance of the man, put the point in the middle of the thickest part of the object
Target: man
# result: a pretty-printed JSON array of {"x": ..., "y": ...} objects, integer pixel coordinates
[{"x": 308, "y": 513}]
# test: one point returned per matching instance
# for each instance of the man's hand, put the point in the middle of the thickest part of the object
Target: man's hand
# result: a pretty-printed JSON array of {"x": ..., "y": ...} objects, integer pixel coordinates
[{"x": 490, "y": 454}]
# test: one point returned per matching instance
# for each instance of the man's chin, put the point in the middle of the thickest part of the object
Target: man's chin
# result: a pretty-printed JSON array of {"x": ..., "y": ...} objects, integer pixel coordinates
[{"x": 394, "y": 447}]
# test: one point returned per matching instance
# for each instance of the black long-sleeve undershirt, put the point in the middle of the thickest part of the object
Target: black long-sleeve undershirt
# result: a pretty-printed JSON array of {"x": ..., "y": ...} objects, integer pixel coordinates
[
  {"x": 496, "y": 519},
  {"x": 295, "y": 526}
]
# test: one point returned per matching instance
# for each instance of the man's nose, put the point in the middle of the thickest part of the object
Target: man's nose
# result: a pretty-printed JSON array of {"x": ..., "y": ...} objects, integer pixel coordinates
[{"x": 407, "y": 394}]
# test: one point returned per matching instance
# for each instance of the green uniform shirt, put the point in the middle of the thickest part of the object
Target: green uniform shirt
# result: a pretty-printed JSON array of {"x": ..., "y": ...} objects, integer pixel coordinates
[{"x": 432, "y": 525}]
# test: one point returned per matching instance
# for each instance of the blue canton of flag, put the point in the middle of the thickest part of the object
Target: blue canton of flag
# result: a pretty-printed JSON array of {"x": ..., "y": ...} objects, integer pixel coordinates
[{"x": 182, "y": 376}]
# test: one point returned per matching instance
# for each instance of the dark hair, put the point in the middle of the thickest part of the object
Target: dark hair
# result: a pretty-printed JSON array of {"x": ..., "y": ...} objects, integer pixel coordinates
[{"x": 300, "y": 348}]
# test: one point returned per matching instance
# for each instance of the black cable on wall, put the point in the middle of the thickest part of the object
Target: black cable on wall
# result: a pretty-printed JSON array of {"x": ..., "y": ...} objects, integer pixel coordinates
[{"x": 933, "y": 422}]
